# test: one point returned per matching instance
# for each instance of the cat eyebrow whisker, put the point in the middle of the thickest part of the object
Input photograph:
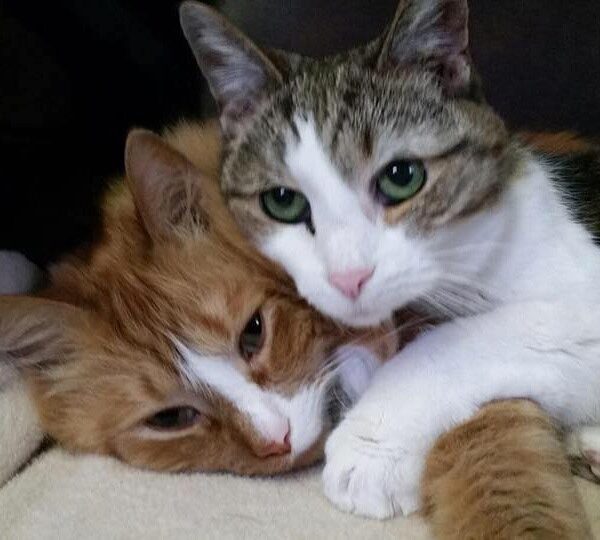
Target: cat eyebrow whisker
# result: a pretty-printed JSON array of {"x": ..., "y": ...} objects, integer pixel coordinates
[{"x": 458, "y": 297}]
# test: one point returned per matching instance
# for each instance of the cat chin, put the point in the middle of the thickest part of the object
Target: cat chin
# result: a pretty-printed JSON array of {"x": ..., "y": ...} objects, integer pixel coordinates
[
  {"x": 352, "y": 314},
  {"x": 363, "y": 319}
]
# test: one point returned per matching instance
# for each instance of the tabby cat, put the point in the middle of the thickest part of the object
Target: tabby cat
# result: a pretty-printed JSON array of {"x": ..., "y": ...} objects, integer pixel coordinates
[{"x": 380, "y": 179}]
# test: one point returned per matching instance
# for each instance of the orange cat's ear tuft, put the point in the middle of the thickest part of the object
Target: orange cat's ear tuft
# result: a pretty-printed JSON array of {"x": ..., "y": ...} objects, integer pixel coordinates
[
  {"x": 166, "y": 187},
  {"x": 34, "y": 331}
]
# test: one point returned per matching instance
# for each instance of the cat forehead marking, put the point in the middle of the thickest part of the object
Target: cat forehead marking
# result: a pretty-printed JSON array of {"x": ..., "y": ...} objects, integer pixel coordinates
[
  {"x": 317, "y": 177},
  {"x": 271, "y": 414},
  {"x": 220, "y": 375}
]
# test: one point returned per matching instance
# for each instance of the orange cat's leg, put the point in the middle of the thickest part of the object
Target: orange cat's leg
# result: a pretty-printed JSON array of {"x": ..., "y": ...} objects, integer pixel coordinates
[
  {"x": 561, "y": 143},
  {"x": 583, "y": 449},
  {"x": 503, "y": 475}
]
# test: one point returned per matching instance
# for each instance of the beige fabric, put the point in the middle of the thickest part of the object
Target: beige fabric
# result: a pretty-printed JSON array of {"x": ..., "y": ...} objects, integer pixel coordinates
[
  {"x": 19, "y": 432},
  {"x": 66, "y": 497}
]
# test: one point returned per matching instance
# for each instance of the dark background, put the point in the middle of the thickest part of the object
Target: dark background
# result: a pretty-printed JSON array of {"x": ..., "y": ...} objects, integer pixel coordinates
[{"x": 76, "y": 74}]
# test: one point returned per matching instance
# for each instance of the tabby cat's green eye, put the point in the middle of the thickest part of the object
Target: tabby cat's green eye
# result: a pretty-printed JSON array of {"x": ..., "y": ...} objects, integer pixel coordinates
[
  {"x": 399, "y": 181},
  {"x": 286, "y": 205}
]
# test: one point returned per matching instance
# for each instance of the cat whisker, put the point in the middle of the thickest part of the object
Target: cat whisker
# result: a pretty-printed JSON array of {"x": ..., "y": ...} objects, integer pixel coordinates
[
  {"x": 470, "y": 284},
  {"x": 458, "y": 250}
]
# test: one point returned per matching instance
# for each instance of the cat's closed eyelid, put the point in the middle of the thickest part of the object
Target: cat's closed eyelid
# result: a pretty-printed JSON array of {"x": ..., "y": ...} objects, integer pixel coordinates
[{"x": 197, "y": 398}]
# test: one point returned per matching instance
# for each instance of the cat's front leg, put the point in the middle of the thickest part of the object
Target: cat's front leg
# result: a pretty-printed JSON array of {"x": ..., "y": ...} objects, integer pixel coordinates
[
  {"x": 371, "y": 470},
  {"x": 375, "y": 457},
  {"x": 547, "y": 352}
]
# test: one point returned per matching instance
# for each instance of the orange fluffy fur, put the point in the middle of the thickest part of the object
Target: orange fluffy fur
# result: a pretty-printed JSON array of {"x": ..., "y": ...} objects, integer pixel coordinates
[{"x": 503, "y": 475}]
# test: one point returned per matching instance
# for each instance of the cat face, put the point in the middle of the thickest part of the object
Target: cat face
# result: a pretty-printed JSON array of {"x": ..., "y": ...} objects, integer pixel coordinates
[
  {"x": 365, "y": 175},
  {"x": 172, "y": 345}
]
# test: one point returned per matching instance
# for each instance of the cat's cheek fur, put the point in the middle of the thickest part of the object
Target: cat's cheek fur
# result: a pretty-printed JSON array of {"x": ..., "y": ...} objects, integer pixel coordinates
[
  {"x": 356, "y": 370},
  {"x": 403, "y": 270},
  {"x": 294, "y": 248}
]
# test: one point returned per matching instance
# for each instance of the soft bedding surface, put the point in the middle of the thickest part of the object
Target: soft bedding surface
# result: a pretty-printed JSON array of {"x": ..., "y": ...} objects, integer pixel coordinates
[{"x": 66, "y": 497}]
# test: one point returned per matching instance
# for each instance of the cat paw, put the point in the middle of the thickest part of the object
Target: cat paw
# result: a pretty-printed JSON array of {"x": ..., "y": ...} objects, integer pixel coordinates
[
  {"x": 583, "y": 448},
  {"x": 369, "y": 476}
]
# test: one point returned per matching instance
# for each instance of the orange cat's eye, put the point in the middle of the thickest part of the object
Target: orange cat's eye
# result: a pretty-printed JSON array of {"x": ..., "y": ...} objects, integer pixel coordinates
[
  {"x": 251, "y": 338},
  {"x": 174, "y": 418}
]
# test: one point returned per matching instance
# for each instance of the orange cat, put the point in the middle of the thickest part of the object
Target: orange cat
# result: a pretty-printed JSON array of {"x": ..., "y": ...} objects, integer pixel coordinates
[
  {"x": 171, "y": 344},
  {"x": 503, "y": 475}
]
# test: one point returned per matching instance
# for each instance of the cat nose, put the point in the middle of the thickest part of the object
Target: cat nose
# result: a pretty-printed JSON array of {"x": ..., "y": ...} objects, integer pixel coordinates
[
  {"x": 350, "y": 282},
  {"x": 275, "y": 448}
]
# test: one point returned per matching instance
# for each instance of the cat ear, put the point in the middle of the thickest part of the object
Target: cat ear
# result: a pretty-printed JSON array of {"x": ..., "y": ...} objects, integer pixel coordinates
[
  {"x": 166, "y": 187},
  {"x": 433, "y": 33},
  {"x": 34, "y": 331},
  {"x": 238, "y": 73}
]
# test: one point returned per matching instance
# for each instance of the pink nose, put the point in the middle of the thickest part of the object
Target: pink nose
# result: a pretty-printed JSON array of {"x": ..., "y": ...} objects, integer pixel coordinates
[
  {"x": 350, "y": 282},
  {"x": 275, "y": 448}
]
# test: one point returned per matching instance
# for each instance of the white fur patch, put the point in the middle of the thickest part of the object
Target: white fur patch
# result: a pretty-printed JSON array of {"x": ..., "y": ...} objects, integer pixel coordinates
[
  {"x": 346, "y": 239},
  {"x": 332, "y": 201},
  {"x": 357, "y": 367},
  {"x": 584, "y": 443},
  {"x": 271, "y": 414}
]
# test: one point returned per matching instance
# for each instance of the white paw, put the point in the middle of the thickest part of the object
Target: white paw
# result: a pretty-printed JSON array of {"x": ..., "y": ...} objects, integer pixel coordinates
[
  {"x": 370, "y": 476},
  {"x": 583, "y": 447}
]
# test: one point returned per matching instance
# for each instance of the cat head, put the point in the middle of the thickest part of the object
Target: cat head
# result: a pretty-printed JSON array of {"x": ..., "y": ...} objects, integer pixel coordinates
[
  {"x": 366, "y": 175},
  {"x": 171, "y": 344}
]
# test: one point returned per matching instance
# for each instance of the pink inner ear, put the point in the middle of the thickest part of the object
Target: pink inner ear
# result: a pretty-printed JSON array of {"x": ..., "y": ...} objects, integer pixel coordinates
[
  {"x": 454, "y": 22},
  {"x": 234, "y": 112},
  {"x": 456, "y": 73},
  {"x": 435, "y": 32}
]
